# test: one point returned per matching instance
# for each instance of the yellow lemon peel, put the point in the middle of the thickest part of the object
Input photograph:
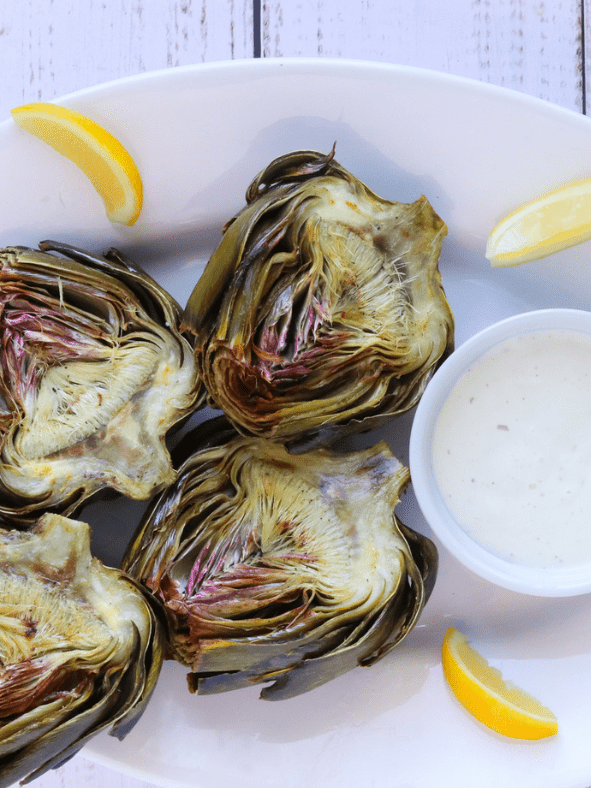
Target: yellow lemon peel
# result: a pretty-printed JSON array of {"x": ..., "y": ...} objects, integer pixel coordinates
[
  {"x": 483, "y": 692},
  {"x": 101, "y": 157},
  {"x": 553, "y": 222}
]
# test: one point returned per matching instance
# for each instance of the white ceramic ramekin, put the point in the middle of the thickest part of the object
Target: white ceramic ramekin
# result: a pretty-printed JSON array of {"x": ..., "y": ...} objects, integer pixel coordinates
[{"x": 554, "y": 581}]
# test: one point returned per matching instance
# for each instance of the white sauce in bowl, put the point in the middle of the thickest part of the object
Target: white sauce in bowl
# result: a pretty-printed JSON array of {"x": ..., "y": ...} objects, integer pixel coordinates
[{"x": 512, "y": 449}]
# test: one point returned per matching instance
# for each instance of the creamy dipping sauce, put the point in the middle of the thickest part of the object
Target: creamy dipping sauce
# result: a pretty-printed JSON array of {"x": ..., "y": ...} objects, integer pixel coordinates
[{"x": 512, "y": 449}]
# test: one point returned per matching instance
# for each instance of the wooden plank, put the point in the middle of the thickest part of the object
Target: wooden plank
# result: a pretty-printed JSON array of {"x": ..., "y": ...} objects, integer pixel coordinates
[
  {"x": 534, "y": 47},
  {"x": 48, "y": 49}
]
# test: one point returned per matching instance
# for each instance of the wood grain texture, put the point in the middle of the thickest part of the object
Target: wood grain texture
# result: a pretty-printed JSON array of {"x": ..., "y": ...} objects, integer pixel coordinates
[
  {"x": 52, "y": 47},
  {"x": 534, "y": 47}
]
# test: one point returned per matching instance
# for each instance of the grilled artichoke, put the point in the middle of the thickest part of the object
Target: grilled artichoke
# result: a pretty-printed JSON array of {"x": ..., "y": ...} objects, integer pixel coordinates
[
  {"x": 80, "y": 647},
  {"x": 322, "y": 305},
  {"x": 283, "y": 568},
  {"x": 94, "y": 371}
]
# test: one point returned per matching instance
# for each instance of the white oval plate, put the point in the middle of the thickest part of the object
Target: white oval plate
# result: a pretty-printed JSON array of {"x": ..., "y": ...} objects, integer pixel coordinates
[{"x": 199, "y": 135}]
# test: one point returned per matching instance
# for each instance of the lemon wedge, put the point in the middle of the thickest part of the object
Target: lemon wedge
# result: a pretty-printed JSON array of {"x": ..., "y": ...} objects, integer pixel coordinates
[
  {"x": 482, "y": 690},
  {"x": 542, "y": 227},
  {"x": 100, "y": 156}
]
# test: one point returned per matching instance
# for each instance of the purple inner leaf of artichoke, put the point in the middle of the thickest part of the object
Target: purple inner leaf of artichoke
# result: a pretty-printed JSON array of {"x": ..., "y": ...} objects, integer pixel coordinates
[{"x": 35, "y": 336}]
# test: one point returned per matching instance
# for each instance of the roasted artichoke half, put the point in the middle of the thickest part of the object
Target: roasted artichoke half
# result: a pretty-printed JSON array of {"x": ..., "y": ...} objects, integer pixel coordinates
[
  {"x": 81, "y": 647},
  {"x": 322, "y": 305},
  {"x": 282, "y": 568},
  {"x": 94, "y": 371}
]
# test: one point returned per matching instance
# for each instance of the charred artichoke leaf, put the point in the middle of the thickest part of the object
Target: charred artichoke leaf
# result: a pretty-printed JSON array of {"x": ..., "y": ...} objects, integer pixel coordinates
[
  {"x": 95, "y": 371},
  {"x": 282, "y": 568},
  {"x": 81, "y": 647},
  {"x": 322, "y": 305}
]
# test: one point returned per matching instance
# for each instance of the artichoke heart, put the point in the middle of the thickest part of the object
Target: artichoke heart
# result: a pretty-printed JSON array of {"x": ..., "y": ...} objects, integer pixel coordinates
[
  {"x": 283, "y": 568},
  {"x": 81, "y": 647},
  {"x": 322, "y": 305},
  {"x": 95, "y": 370}
]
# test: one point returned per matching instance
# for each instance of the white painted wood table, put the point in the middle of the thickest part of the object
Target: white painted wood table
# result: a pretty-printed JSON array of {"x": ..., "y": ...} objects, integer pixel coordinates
[{"x": 52, "y": 47}]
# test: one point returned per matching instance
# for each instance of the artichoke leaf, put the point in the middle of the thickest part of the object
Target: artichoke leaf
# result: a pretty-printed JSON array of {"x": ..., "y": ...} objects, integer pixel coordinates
[
  {"x": 94, "y": 373},
  {"x": 81, "y": 646},
  {"x": 279, "y": 567},
  {"x": 322, "y": 307}
]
